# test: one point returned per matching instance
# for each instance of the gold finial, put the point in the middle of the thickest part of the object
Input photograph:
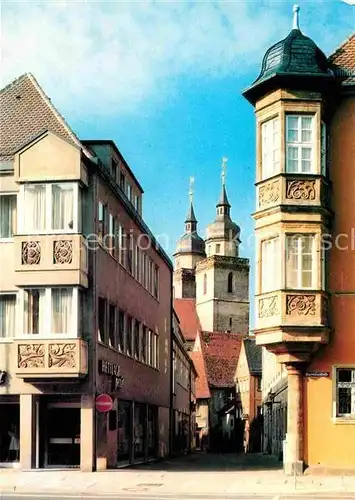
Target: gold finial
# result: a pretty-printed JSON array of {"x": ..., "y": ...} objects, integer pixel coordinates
[
  {"x": 224, "y": 170},
  {"x": 191, "y": 188}
]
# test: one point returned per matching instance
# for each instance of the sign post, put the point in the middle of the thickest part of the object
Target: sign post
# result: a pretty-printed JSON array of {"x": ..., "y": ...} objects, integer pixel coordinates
[{"x": 103, "y": 403}]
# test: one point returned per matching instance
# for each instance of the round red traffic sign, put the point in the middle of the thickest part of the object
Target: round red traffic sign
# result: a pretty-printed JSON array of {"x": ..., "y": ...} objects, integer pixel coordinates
[{"x": 104, "y": 403}]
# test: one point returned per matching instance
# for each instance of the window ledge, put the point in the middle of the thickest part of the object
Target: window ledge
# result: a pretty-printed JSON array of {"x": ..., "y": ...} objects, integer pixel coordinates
[
  {"x": 4, "y": 340},
  {"x": 342, "y": 421},
  {"x": 6, "y": 240}
]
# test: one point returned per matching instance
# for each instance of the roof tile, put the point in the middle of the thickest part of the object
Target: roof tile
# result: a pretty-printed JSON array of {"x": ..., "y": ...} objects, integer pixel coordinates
[
  {"x": 202, "y": 389},
  {"x": 189, "y": 322}
]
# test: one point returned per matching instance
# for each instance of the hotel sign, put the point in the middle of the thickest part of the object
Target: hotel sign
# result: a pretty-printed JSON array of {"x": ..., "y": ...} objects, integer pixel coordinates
[
  {"x": 109, "y": 368},
  {"x": 317, "y": 374}
]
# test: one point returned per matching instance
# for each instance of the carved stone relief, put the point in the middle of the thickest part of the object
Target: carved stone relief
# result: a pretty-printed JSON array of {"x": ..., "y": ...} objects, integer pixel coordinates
[
  {"x": 269, "y": 306},
  {"x": 31, "y": 252},
  {"x": 62, "y": 355},
  {"x": 30, "y": 356},
  {"x": 269, "y": 193},
  {"x": 303, "y": 305},
  {"x": 63, "y": 252},
  {"x": 301, "y": 190}
]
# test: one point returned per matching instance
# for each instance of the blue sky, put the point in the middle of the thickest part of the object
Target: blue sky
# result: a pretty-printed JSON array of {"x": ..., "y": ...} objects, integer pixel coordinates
[{"x": 164, "y": 81}]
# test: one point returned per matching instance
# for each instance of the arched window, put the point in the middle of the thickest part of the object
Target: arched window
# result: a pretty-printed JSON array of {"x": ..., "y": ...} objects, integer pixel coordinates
[
  {"x": 230, "y": 283},
  {"x": 204, "y": 284}
]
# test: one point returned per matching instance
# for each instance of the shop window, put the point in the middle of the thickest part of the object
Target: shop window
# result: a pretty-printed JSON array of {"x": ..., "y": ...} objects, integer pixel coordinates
[
  {"x": 152, "y": 436},
  {"x": 345, "y": 393},
  {"x": 270, "y": 148},
  {"x": 7, "y": 315},
  {"x": 139, "y": 430},
  {"x": 124, "y": 426},
  {"x": 7, "y": 216},
  {"x": 299, "y": 144}
]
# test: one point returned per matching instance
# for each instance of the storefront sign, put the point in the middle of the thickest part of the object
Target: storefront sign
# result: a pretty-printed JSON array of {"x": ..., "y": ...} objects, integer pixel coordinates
[
  {"x": 109, "y": 368},
  {"x": 317, "y": 374},
  {"x": 103, "y": 403}
]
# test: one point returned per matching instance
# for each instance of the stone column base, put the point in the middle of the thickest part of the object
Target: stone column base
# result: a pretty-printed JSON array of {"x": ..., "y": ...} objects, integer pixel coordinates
[{"x": 294, "y": 468}]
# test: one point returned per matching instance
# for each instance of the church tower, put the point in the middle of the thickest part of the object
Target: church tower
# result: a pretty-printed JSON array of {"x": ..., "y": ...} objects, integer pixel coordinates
[
  {"x": 222, "y": 279},
  {"x": 190, "y": 249}
]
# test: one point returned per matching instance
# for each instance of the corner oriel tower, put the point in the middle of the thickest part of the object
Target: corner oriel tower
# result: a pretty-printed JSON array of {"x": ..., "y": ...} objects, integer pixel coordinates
[
  {"x": 292, "y": 213},
  {"x": 222, "y": 279},
  {"x": 190, "y": 249}
]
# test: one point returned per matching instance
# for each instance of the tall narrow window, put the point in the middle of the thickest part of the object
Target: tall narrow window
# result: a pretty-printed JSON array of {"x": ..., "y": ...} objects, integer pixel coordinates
[
  {"x": 123, "y": 182},
  {"x": 34, "y": 311},
  {"x": 112, "y": 325},
  {"x": 35, "y": 203},
  {"x": 102, "y": 216},
  {"x": 143, "y": 355},
  {"x": 299, "y": 144},
  {"x": 323, "y": 158},
  {"x": 122, "y": 245},
  {"x": 111, "y": 240},
  {"x": 156, "y": 281},
  {"x": 7, "y": 315},
  {"x": 62, "y": 207},
  {"x": 129, "y": 336},
  {"x": 218, "y": 248},
  {"x": 136, "y": 339},
  {"x": 270, "y": 148},
  {"x": 102, "y": 319},
  {"x": 114, "y": 169},
  {"x": 300, "y": 261},
  {"x": 7, "y": 215},
  {"x": 230, "y": 282},
  {"x": 270, "y": 265},
  {"x": 129, "y": 240},
  {"x": 121, "y": 330},
  {"x": 204, "y": 284},
  {"x": 62, "y": 310},
  {"x": 345, "y": 392}
]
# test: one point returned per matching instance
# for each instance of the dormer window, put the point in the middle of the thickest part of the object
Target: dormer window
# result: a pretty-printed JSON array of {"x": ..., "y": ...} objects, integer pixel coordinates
[
  {"x": 270, "y": 148},
  {"x": 299, "y": 144}
]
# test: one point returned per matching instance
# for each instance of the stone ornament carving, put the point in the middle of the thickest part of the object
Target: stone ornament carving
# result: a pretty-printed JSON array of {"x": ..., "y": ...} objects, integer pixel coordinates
[
  {"x": 301, "y": 190},
  {"x": 269, "y": 193},
  {"x": 63, "y": 252},
  {"x": 303, "y": 305},
  {"x": 61, "y": 355},
  {"x": 31, "y": 252},
  {"x": 30, "y": 356},
  {"x": 324, "y": 310},
  {"x": 269, "y": 306}
]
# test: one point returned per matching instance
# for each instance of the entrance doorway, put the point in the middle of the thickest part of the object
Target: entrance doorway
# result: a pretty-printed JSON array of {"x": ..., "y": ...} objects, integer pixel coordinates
[
  {"x": 9, "y": 434},
  {"x": 63, "y": 436}
]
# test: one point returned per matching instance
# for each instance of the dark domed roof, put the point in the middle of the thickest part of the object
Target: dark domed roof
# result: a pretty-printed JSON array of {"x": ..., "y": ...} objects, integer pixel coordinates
[
  {"x": 190, "y": 243},
  {"x": 293, "y": 57}
]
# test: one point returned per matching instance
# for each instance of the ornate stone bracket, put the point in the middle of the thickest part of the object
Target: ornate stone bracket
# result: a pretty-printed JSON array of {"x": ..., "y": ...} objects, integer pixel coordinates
[
  {"x": 31, "y": 252},
  {"x": 302, "y": 305}
]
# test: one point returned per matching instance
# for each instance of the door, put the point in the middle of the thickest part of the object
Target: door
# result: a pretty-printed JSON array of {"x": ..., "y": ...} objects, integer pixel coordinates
[{"x": 63, "y": 437}]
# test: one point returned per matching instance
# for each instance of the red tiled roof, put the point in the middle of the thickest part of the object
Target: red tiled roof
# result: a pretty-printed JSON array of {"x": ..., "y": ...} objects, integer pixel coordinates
[
  {"x": 343, "y": 60},
  {"x": 202, "y": 389},
  {"x": 26, "y": 112},
  {"x": 189, "y": 322},
  {"x": 221, "y": 353}
]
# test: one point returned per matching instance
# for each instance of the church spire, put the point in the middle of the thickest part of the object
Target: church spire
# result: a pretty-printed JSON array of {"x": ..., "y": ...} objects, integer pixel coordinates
[
  {"x": 191, "y": 221},
  {"x": 223, "y": 205}
]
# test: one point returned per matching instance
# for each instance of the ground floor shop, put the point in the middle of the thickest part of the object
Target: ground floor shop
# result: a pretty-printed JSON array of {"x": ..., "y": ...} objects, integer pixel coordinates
[{"x": 49, "y": 431}]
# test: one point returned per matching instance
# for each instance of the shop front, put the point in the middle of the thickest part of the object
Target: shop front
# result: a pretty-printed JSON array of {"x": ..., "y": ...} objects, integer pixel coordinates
[{"x": 9, "y": 432}]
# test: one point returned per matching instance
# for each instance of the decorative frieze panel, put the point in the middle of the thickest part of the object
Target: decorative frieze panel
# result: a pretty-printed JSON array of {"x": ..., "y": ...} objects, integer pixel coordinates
[
  {"x": 61, "y": 355},
  {"x": 51, "y": 358},
  {"x": 31, "y": 252},
  {"x": 269, "y": 306},
  {"x": 301, "y": 305},
  {"x": 269, "y": 194},
  {"x": 30, "y": 356},
  {"x": 301, "y": 190},
  {"x": 62, "y": 252}
]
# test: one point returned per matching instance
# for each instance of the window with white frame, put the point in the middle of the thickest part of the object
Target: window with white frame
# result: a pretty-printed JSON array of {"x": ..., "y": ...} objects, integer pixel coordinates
[
  {"x": 345, "y": 392},
  {"x": 301, "y": 261},
  {"x": 50, "y": 207},
  {"x": 7, "y": 315},
  {"x": 270, "y": 148},
  {"x": 50, "y": 311},
  {"x": 300, "y": 144},
  {"x": 7, "y": 215},
  {"x": 270, "y": 265},
  {"x": 323, "y": 152}
]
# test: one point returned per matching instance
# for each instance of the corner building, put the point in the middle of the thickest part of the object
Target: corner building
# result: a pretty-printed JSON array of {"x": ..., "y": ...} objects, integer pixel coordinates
[
  {"x": 305, "y": 267},
  {"x": 85, "y": 298}
]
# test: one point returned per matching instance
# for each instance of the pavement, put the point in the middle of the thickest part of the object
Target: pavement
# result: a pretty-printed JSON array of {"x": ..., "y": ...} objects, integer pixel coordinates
[{"x": 201, "y": 476}]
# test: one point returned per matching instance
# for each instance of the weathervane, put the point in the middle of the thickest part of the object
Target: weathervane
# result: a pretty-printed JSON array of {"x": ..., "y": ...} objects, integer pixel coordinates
[
  {"x": 191, "y": 188},
  {"x": 296, "y": 23},
  {"x": 224, "y": 170}
]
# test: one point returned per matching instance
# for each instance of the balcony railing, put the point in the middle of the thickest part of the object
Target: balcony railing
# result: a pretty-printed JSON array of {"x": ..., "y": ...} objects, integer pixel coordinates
[
  {"x": 43, "y": 358},
  {"x": 51, "y": 259},
  {"x": 290, "y": 189}
]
